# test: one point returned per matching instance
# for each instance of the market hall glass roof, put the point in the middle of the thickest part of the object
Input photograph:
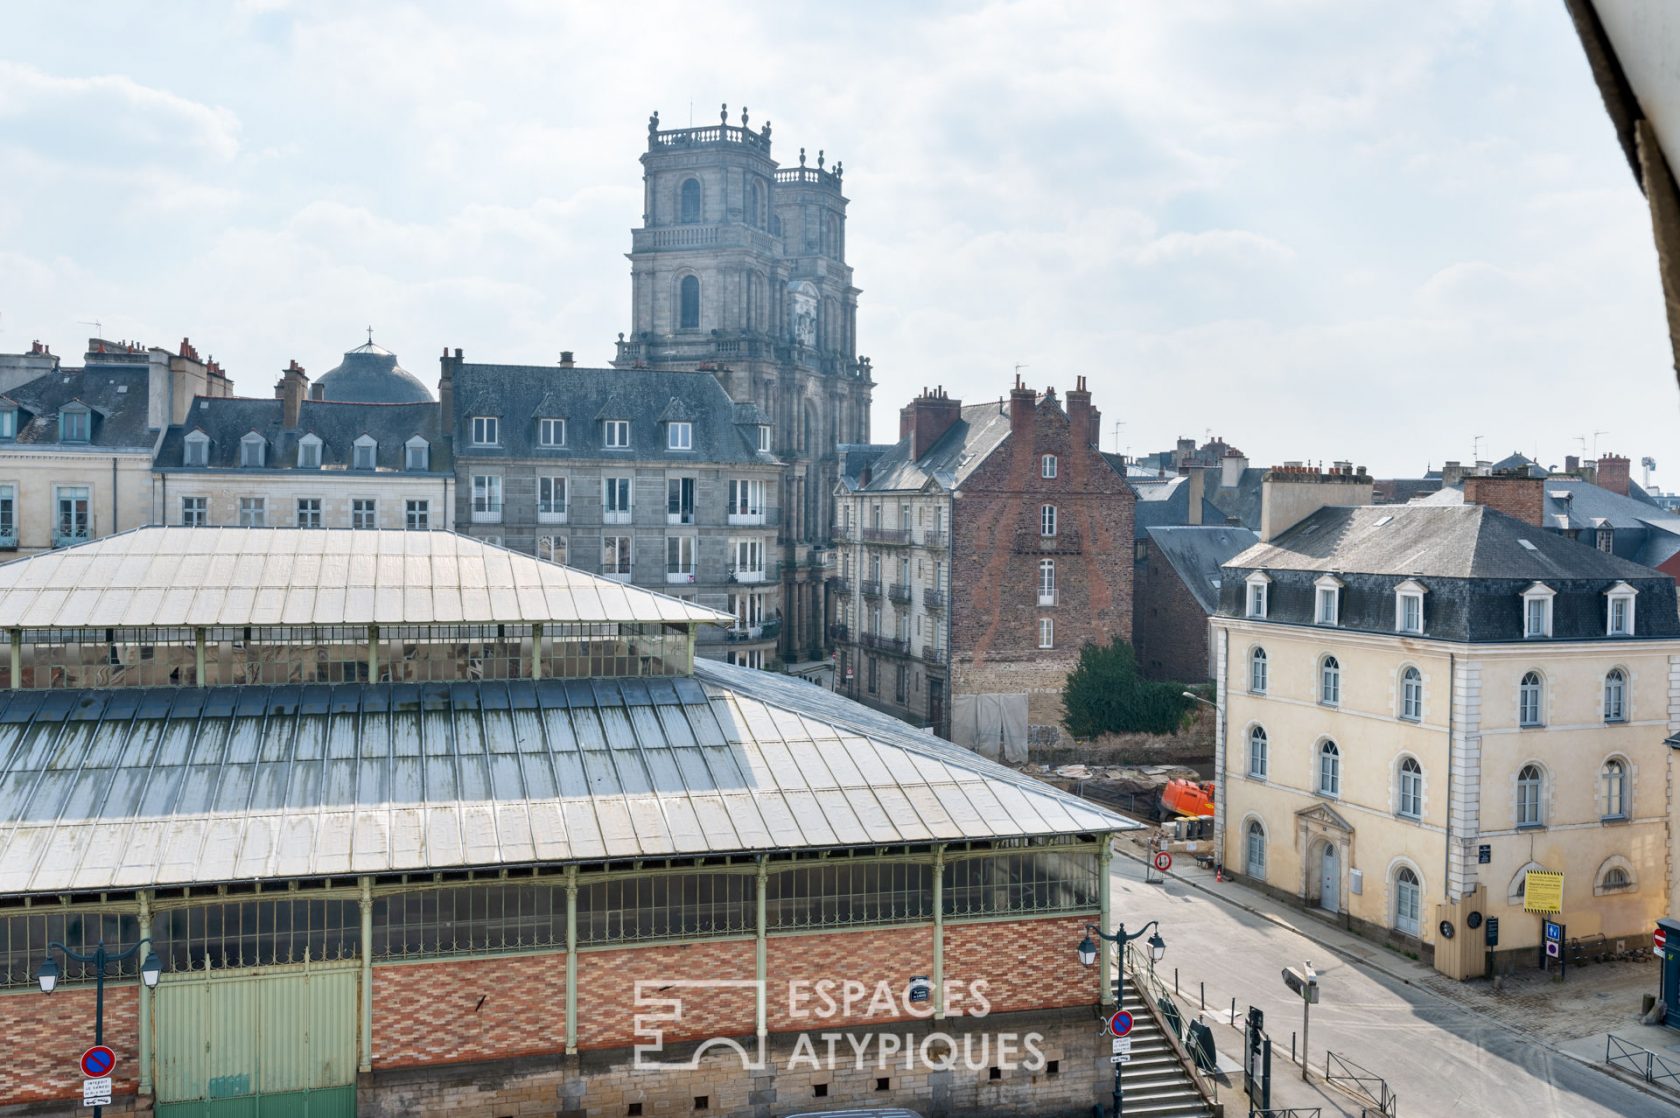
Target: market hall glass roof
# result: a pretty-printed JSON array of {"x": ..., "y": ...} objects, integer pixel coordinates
[{"x": 125, "y": 787}]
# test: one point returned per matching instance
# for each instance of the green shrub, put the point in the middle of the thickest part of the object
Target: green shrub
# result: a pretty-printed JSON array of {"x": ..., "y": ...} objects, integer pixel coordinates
[{"x": 1105, "y": 694}]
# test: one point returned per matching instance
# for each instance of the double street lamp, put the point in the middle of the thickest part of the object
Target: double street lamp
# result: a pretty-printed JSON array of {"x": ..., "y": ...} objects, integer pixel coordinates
[
  {"x": 150, "y": 971},
  {"x": 1088, "y": 951}
]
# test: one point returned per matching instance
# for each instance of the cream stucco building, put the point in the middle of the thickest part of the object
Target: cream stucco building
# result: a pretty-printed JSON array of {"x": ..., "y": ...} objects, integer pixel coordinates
[{"x": 1420, "y": 704}]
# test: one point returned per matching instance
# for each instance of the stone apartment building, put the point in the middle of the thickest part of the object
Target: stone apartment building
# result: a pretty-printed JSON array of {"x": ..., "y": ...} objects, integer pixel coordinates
[
  {"x": 652, "y": 478},
  {"x": 1420, "y": 704},
  {"x": 739, "y": 269},
  {"x": 76, "y": 444},
  {"x": 1011, "y": 503},
  {"x": 307, "y": 459}
]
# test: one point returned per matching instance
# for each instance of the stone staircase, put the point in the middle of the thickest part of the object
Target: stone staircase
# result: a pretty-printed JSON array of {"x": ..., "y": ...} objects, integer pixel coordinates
[{"x": 1157, "y": 1085}]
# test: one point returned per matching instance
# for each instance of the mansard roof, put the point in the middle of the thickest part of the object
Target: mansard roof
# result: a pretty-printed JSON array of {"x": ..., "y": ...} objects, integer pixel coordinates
[
  {"x": 338, "y": 425},
  {"x": 114, "y": 396}
]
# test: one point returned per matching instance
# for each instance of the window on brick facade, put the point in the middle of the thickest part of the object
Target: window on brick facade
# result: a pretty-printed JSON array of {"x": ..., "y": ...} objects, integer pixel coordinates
[
  {"x": 1046, "y": 632},
  {"x": 1047, "y": 466},
  {"x": 1046, "y": 582},
  {"x": 1047, "y": 521}
]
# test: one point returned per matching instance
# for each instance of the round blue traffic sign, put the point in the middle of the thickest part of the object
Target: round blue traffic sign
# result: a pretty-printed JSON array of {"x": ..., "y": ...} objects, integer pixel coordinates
[
  {"x": 1120, "y": 1024},
  {"x": 98, "y": 1061}
]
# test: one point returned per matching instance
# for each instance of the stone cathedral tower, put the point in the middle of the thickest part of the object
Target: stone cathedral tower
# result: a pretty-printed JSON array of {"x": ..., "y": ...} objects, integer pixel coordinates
[{"x": 739, "y": 269}]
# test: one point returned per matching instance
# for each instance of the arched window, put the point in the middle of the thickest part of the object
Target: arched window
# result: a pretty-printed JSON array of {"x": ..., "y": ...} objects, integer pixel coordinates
[
  {"x": 1613, "y": 780},
  {"x": 755, "y": 215},
  {"x": 689, "y": 313},
  {"x": 1411, "y": 788},
  {"x": 1411, "y": 695},
  {"x": 1615, "y": 696},
  {"x": 1614, "y": 876},
  {"x": 1529, "y": 783},
  {"x": 1329, "y": 681},
  {"x": 1257, "y": 671},
  {"x": 688, "y": 206},
  {"x": 1257, "y": 752},
  {"x": 1407, "y": 896},
  {"x": 1528, "y": 699},
  {"x": 1254, "y": 848},
  {"x": 1329, "y": 770}
]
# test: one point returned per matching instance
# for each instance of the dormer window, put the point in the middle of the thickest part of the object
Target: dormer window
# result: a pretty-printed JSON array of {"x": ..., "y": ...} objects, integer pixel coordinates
[
  {"x": 616, "y": 433},
  {"x": 1408, "y": 606},
  {"x": 365, "y": 453},
  {"x": 1618, "y": 610},
  {"x": 252, "y": 450},
  {"x": 1537, "y": 611},
  {"x": 679, "y": 436},
  {"x": 74, "y": 424},
  {"x": 1328, "y": 600},
  {"x": 417, "y": 454},
  {"x": 486, "y": 430},
  {"x": 195, "y": 449},
  {"x": 764, "y": 438},
  {"x": 1259, "y": 590},
  {"x": 309, "y": 452},
  {"x": 8, "y": 423},
  {"x": 551, "y": 432}
]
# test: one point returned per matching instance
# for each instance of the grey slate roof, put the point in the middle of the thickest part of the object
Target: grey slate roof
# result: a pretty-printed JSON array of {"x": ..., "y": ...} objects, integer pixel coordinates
[
  {"x": 980, "y": 429},
  {"x": 227, "y": 420},
  {"x": 114, "y": 394},
  {"x": 163, "y": 786},
  {"x": 369, "y": 374},
  {"x": 518, "y": 394},
  {"x": 1165, "y": 503},
  {"x": 1575, "y": 505},
  {"x": 1198, "y": 552}
]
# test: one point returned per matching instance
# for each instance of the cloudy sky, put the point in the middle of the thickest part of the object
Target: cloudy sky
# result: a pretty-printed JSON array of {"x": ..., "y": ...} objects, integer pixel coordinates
[{"x": 1320, "y": 229}]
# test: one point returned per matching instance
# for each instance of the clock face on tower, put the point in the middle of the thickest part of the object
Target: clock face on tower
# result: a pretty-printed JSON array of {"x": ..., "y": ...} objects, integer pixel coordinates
[{"x": 802, "y": 312}]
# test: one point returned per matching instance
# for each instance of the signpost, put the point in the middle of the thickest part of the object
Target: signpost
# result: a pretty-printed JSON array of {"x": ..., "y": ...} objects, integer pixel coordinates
[
  {"x": 1552, "y": 939},
  {"x": 1303, "y": 982},
  {"x": 1120, "y": 1025},
  {"x": 96, "y": 1092},
  {"x": 1658, "y": 938},
  {"x": 1122, "y": 1050}
]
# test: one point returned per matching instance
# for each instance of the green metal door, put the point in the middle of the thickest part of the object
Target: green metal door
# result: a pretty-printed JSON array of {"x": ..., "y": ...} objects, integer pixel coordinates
[{"x": 273, "y": 1043}]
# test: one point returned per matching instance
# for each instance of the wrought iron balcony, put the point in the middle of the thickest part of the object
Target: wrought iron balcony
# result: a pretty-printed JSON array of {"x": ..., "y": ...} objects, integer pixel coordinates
[
  {"x": 839, "y": 633},
  {"x": 1029, "y": 542},
  {"x": 884, "y": 644},
  {"x": 934, "y": 598},
  {"x": 886, "y": 535},
  {"x": 899, "y": 592},
  {"x": 936, "y": 538},
  {"x": 871, "y": 587},
  {"x": 933, "y": 655},
  {"x": 842, "y": 584}
]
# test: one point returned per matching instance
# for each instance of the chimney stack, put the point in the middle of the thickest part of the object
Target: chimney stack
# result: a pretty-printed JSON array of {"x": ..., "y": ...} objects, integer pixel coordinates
[
  {"x": 1081, "y": 425},
  {"x": 1452, "y": 472},
  {"x": 566, "y": 361},
  {"x": 1291, "y": 493},
  {"x": 1571, "y": 463},
  {"x": 1231, "y": 468},
  {"x": 1197, "y": 484},
  {"x": 1514, "y": 494},
  {"x": 1023, "y": 405},
  {"x": 925, "y": 419},
  {"x": 1613, "y": 474},
  {"x": 291, "y": 391},
  {"x": 446, "y": 389}
]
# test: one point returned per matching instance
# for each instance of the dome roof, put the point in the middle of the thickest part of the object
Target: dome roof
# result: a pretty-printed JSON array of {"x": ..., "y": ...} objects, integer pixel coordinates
[{"x": 370, "y": 375}]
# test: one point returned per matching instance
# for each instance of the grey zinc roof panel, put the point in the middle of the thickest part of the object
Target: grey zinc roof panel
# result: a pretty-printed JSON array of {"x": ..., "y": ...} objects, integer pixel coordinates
[{"x": 241, "y": 783}]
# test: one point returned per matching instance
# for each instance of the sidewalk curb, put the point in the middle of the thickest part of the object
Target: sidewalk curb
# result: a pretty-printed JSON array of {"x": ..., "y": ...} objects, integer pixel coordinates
[{"x": 1649, "y": 1089}]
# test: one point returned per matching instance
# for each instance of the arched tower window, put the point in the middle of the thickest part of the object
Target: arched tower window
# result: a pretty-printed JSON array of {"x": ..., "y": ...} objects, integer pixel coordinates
[
  {"x": 688, "y": 203},
  {"x": 689, "y": 316},
  {"x": 755, "y": 212}
]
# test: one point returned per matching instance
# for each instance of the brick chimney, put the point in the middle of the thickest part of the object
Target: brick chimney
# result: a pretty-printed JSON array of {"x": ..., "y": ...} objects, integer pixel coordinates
[
  {"x": 446, "y": 390},
  {"x": 291, "y": 391},
  {"x": 566, "y": 361},
  {"x": 1613, "y": 474},
  {"x": 1514, "y": 494},
  {"x": 925, "y": 419},
  {"x": 1081, "y": 419},
  {"x": 1291, "y": 493},
  {"x": 1571, "y": 463},
  {"x": 1023, "y": 405}
]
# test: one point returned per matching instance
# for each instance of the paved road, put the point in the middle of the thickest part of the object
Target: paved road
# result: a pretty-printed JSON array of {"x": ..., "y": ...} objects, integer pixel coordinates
[{"x": 1443, "y": 1059}]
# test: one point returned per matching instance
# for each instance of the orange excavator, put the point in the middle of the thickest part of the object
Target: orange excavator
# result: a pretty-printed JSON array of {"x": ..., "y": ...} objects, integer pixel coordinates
[{"x": 1181, "y": 798}]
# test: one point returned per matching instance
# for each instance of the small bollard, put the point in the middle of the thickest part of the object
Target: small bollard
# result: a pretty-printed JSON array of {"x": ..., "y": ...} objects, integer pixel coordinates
[
  {"x": 1291, "y": 1047},
  {"x": 1204, "y": 995},
  {"x": 1175, "y": 981},
  {"x": 1233, "y": 1012}
]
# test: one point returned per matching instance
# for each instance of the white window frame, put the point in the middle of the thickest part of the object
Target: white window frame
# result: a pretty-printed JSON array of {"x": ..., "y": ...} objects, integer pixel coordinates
[
  {"x": 486, "y": 498},
  {"x": 1259, "y": 594},
  {"x": 618, "y": 499},
  {"x": 623, "y": 552},
  {"x": 364, "y": 513},
  {"x": 1047, "y": 466},
  {"x": 417, "y": 454},
  {"x": 745, "y": 501},
  {"x": 1531, "y": 796},
  {"x": 1047, "y": 521},
  {"x": 682, "y": 558},
  {"x": 1616, "y": 695},
  {"x": 417, "y": 515},
  {"x": 1531, "y": 715},
  {"x": 253, "y": 512},
  {"x": 199, "y": 513},
  {"x": 8, "y": 423},
  {"x": 1259, "y": 752},
  {"x": 1411, "y": 694},
  {"x": 1329, "y": 759},
  {"x": 552, "y": 499},
  {"x": 1409, "y": 596},
  {"x": 309, "y": 452},
  {"x": 1329, "y": 681},
  {"x": 1047, "y": 632},
  {"x": 195, "y": 449},
  {"x": 679, "y": 435},
  {"x": 308, "y": 517},
  {"x": 746, "y": 560},
  {"x": 615, "y": 434},
  {"x": 1408, "y": 920},
  {"x": 551, "y": 432},
  {"x": 74, "y": 494},
  {"x": 764, "y": 438},
  {"x": 1046, "y": 582},
  {"x": 1613, "y": 787},
  {"x": 253, "y": 446},
  {"x": 1409, "y": 788},
  {"x": 1327, "y": 600},
  {"x": 1254, "y": 843},
  {"x": 1621, "y": 595},
  {"x": 1259, "y": 671},
  {"x": 487, "y": 430},
  {"x": 552, "y": 549},
  {"x": 1537, "y": 625},
  {"x": 364, "y": 453}
]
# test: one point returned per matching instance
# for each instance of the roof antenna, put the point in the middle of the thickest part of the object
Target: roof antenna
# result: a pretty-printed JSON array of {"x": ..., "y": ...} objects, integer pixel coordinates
[
  {"x": 370, "y": 335},
  {"x": 98, "y": 326}
]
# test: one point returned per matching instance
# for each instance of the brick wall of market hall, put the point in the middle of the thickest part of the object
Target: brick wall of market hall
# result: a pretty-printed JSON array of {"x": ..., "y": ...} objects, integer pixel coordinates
[{"x": 44, "y": 1036}]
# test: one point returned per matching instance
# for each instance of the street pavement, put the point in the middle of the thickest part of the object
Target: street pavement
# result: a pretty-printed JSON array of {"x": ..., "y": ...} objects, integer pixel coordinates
[{"x": 1440, "y": 1056}]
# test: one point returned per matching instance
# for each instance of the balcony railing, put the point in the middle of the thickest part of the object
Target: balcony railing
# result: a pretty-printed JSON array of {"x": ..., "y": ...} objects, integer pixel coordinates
[
  {"x": 936, "y": 538},
  {"x": 933, "y": 655},
  {"x": 839, "y": 633},
  {"x": 933, "y": 598},
  {"x": 899, "y": 592},
  {"x": 752, "y": 518},
  {"x": 768, "y": 573},
  {"x": 886, "y": 535},
  {"x": 1029, "y": 542},
  {"x": 847, "y": 533},
  {"x": 1046, "y": 597},
  {"x": 739, "y": 634},
  {"x": 871, "y": 587},
  {"x": 842, "y": 584},
  {"x": 884, "y": 644},
  {"x": 8, "y": 539},
  {"x": 679, "y": 516},
  {"x": 68, "y": 537},
  {"x": 678, "y": 576}
]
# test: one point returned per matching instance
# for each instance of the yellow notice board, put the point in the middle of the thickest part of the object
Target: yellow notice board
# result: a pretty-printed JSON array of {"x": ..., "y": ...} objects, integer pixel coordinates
[{"x": 1543, "y": 891}]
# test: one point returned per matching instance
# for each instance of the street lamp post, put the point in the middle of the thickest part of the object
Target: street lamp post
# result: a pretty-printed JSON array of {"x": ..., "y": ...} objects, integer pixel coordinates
[
  {"x": 150, "y": 970},
  {"x": 1088, "y": 956}
]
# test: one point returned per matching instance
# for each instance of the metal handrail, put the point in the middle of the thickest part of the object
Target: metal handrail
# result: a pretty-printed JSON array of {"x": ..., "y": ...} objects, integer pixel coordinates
[
  {"x": 1648, "y": 1065},
  {"x": 1360, "y": 1079},
  {"x": 1288, "y": 1112},
  {"x": 1142, "y": 972}
]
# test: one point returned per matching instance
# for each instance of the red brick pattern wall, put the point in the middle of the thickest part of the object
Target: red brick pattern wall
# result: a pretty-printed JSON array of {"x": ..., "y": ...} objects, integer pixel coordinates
[
  {"x": 1521, "y": 497},
  {"x": 890, "y": 955},
  {"x": 480, "y": 1009},
  {"x": 607, "y": 992},
  {"x": 1169, "y": 629},
  {"x": 46, "y": 1036},
  {"x": 1030, "y": 964}
]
